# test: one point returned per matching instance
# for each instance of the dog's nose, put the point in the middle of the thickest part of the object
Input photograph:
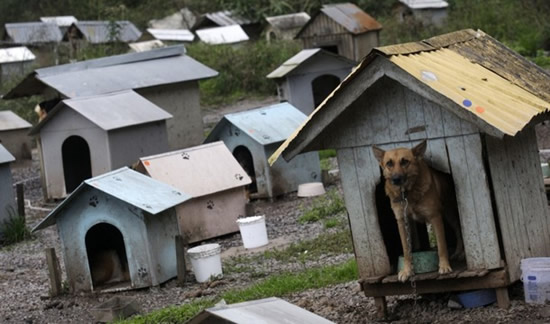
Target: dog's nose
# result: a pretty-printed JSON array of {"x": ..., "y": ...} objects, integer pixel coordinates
[{"x": 398, "y": 179}]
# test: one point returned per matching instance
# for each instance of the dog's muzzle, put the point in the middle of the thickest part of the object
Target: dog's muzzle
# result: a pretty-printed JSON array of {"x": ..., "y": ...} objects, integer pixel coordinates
[{"x": 398, "y": 180}]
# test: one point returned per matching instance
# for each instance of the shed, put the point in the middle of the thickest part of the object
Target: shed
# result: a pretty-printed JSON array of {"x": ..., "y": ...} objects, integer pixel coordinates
[
  {"x": 14, "y": 135},
  {"x": 271, "y": 310},
  {"x": 117, "y": 232},
  {"x": 426, "y": 12},
  {"x": 175, "y": 35},
  {"x": 87, "y": 136},
  {"x": 15, "y": 62},
  {"x": 253, "y": 135},
  {"x": 476, "y": 102},
  {"x": 285, "y": 27},
  {"x": 307, "y": 78},
  {"x": 166, "y": 76},
  {"x": 228, "y": 18},
  {"x": 343, "y": 29},
  {"x": 101, "y": 32},
  {"x": 7, "y": 198},
  {"x": 222, "y": 35},
  {"x": 214, "y": 180}
]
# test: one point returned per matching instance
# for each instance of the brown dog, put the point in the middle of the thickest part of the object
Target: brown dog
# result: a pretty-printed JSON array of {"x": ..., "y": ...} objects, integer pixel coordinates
[{"x": 425, "y": 195}]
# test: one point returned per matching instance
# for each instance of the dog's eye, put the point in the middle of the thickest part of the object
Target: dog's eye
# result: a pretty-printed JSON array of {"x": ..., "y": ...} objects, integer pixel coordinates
[
  {"x": 404, "y": 162},
  {"x": 389, "y": 164}
]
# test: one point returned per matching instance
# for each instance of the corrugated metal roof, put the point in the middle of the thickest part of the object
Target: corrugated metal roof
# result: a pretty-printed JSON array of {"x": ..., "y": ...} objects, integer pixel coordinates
[
  {"x": 5, "y": 156},
  {"x": 226, "y": 18},
  {"x": 132, "y": 187},
  {"x": 182, "y": 35},
  {"x": 188, "y": 169},
  {"x": 146, "y": 45},
  {"x": 110, "y": 111},
  {"x": 300, "y": 58},
  {"x": 425, "y": 4},
  {"x": 266, "y": 125},
  {"x": 476, "y": 72},
  {"x": 290, "y": 21},
  {"x": 61, "y": 21},
  {"x": 97, "y": 32},
  {"x": 222, "y": 35},
  {"x": 351, "y": 17},
  {"x": 266, "y": 311},
  {"x": 15, "y": 54},
  {"x": 11, "y": 121},
  {"x": 33, "y": 33}
]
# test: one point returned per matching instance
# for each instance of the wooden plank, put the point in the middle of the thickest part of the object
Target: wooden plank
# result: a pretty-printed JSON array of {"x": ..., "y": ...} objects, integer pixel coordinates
[
  {"x": 433, "y": 118},
  {"x": 436, "y": 154},
  {"x": 180, "y": 260},
  {"x": 417, "y": 127},
  {"x": 393, "y": 100},
  {"x": 503, "y": 300},
  {"x": 20, "y": 200},
  {"x": 381, "y": 306},
  {"x": 494, "y": 279},
  {"x": 54, "y": 272},
  {"x": 369, "y": 251},
  {"x": 378, "y": 113},
  {"x": 474, "y": 202}
]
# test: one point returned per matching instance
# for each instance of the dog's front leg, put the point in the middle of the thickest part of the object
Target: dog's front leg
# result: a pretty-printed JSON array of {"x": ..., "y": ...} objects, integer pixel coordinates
[
  {"x": 407, "y": 270},
  {"x": 444, "y": 266}
]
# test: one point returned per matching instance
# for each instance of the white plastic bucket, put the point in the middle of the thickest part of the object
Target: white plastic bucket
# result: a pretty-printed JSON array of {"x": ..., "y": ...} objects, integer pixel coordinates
[
  {"x": 535, "y": 274},
  {"x": 253, "y": 231},
  {"x": 206, "y": 261}
]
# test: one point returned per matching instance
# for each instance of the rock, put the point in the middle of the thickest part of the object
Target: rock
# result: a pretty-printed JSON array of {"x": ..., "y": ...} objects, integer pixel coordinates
[
  {"x": 53, "y": 304},
  {"x": 454, "y": 304}
]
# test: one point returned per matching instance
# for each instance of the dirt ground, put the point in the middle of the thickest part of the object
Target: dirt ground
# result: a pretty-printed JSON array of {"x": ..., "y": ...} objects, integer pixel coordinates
[{"x": 24, "y": 281}]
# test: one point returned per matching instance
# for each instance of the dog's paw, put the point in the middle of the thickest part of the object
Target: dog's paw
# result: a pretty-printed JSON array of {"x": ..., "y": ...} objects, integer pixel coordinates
[
  {"x": 404, "y": 274},
  {"x": 445, "y": 268}
]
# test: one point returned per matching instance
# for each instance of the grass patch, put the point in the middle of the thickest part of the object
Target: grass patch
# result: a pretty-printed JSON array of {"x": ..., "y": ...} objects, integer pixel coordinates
[
  {"x": 323, "y": 207},
  {"x": 173, "y": 314},
  {"x": 14, "y": 228}
]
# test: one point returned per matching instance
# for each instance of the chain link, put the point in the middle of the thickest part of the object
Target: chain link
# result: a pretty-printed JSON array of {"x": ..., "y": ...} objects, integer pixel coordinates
[{"x": 409, "y": 245}]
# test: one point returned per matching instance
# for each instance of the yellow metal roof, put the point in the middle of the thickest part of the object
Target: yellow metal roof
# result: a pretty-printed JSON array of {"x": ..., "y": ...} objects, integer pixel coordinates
[{"x": 492, "y": 98}]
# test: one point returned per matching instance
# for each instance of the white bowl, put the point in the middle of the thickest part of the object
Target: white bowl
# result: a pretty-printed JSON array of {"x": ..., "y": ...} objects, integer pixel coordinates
[{"x": 311, "y": 189}]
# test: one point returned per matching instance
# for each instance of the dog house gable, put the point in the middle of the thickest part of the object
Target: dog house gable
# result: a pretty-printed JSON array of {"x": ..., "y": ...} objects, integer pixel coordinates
[
  {"x": 308, "y": 77},
  {"x": 213, "y": 178},
  {"x": 123, "y": 212},
  {"x": 13, "y": 135},
  {"x": 461, "y": 92},
  {"x": 256, "y": 134},
  {"x": 7, "y": 199}
]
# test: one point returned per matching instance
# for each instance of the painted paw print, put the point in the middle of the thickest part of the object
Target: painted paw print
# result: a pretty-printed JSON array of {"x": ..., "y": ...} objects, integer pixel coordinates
[
  {"x": 237, "y": 132},
  {"x": 210, "y": 204},
  {"x": 314, "y": 175},
  {"x": 238, "y": 176},
  {"x": 142, "y": 272},
  {"x": 185, "y": 155},
  {"x": 94, "y": 201}
]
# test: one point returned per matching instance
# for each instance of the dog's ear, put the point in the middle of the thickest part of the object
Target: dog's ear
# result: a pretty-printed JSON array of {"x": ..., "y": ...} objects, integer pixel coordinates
[
  {"x": 378, "y": 153},
  {"x": 420, "y": 149}
]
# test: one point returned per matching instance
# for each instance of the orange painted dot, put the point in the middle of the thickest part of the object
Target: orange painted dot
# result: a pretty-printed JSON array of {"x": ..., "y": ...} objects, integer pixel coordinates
[
  {"x": 480, "y": 109},
  {"x": 146, "y": 163}
]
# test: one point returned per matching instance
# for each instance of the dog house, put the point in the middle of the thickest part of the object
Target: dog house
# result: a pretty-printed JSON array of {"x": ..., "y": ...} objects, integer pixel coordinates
[
  {"x": 118, "y": 232},
  {"x": 253, "y": 135},
  {"x": 431, "y": 12},
  {"x": 285, "y": 27},
  {"x": 307, "y": 78},
  {"x": 15, "y": 62},
  {"x": 14, "y": 135},
  {"x": 214, "y": 180},
  {"x": 7, "y": 198},
  {"x": 85, "y": 137},
  {"x": 476, "y": 103},
  {"x": 343, "y": 29},
  {"x": 101, "y": 32},
  {"x": 165, "y": 76}
]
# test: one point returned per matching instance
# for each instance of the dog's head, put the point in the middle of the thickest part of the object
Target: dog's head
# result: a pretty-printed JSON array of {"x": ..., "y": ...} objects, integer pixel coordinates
[{"x": 400, "y": 166}]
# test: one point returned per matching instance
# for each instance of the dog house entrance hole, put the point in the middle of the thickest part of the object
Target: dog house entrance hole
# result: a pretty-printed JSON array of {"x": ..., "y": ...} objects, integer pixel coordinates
[
  {"x": 244, "y": 157},
  {"x": 77, "y": 165},
  {"x": 107, "y": 259},
  {"x": 322, "y": 86}
]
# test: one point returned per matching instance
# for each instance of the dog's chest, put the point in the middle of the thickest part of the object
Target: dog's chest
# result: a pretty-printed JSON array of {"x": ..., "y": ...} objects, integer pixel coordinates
[{"x": 419, "y": 213}]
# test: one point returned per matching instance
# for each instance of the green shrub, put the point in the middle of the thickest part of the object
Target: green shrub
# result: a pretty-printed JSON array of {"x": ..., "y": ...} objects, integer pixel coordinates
[
  {"x": 14, "y": 228},
  {"x": 323, "y": 207}
]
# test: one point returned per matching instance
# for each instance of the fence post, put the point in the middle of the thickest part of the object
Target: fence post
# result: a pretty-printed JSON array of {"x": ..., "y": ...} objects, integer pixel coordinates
[
  {"x": 54, "y": 272},
  {"x": 180, "y": 259},
  {"x": 20, "y": 199}
]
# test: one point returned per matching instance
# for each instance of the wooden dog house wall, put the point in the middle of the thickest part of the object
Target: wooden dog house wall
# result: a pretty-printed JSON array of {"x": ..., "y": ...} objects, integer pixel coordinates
[{"x": 488, "y": 144}]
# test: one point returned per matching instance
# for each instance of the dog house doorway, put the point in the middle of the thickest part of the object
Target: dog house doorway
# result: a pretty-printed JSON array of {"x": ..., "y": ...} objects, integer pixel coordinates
[
  {"x": 107, "y": 258},
  {"x": 77, "y": 165},
  {"x": 322, "y": 86},
  {"x": 244, "y": 157}
]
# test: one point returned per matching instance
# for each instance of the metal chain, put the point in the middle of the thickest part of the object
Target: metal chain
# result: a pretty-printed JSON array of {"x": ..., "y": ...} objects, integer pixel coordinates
[{"x": 409, "y": 244}]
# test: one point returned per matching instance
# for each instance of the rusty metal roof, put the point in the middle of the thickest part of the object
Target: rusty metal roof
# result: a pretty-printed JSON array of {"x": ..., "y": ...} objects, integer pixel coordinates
[
  {"x": 110, "y": 111},
  {"x": 502, "y": 89},
  {"x": 199, "y": 171},
  {"x": 351, "y": 17},
  {"x": 5, "y": 156},
  {"x": 132, "y": 187},
  {"x": 33, "y": 33},
  {"x": 303, "y": 56},
  {"x": 11, "y": 121},
  {"x": 98, "y": 32}
]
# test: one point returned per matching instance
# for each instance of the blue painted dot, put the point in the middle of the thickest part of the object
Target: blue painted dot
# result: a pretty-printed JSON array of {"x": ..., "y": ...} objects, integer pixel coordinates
[{"x": 467, "y": 103}]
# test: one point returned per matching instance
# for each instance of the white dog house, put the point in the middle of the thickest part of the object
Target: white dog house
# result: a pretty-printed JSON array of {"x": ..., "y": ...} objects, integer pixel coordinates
[
  {"x": 14, "y": 135},
  {"x": 118, "y": 232},
  {"x": 15, "y": 62},
  {"x": 307, "y": 78},
  {"x": 253, "y": 135},
  {"x": 85, "y": 137},
  {"x": 214, "y": 180},
  {"x": 7, "y": 198}
]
